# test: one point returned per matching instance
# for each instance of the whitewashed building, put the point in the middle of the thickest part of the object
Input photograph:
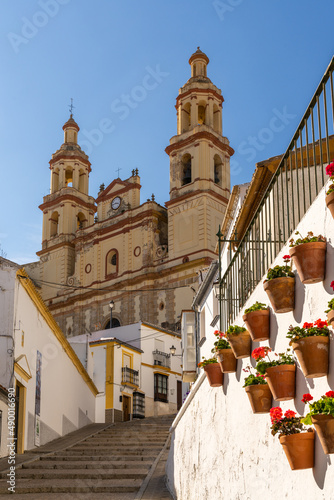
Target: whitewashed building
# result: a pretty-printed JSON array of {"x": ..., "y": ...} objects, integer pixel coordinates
[
  {"x": 54, "y": 394},
  {"x": 134, "y": 370}
]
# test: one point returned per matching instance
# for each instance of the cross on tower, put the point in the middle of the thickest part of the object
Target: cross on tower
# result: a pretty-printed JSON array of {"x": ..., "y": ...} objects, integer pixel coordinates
[
  {"x": 117, "y": 170},
  {"x": 71, "y": 107}
]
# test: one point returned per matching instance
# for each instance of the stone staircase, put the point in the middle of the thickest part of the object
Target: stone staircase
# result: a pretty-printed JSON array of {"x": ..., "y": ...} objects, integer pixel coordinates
[{"x": 110, "y": 464}]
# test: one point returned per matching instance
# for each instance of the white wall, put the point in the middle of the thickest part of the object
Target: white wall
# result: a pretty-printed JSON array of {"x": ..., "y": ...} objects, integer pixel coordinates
[
  {"x": 67, "y": 402},
  {"x": 220, "y": 449},
  {"x": 7, "y": 292}
]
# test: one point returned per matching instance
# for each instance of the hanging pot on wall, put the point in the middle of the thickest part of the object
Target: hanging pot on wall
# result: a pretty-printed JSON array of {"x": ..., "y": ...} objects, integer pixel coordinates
[
  {"x": 330, "y": 317},
  {"x": 240, "y": 344},
  {"x": 257, "y": 323},
  {"x": 282, "y": 381},
  {"x": 227, "y": 360},
  {"x": 281, "y": 293},
  {"x": 214, "y": 374},
  {"x": 324, "y": 425},
  {"x": 299, "y": 449},
  {"x": 310, "y": 260},
  {"x": 330, "y": 202},
  {"x": 259, "y": 396},
  {"x": 312, "y": 353}
]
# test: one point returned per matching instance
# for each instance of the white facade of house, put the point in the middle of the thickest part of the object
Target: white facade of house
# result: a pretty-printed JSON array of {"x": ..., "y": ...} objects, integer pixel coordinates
[
  {"x": 142, "y": 348},
  {"x": 220, "y": 449},
  {"x": 65, "y": 398}
]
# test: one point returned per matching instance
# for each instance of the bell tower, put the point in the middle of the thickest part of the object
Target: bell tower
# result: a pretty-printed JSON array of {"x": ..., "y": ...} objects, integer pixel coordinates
[
  {"x": 199, "y": 166},
  {"x": 67, "y": 209}
]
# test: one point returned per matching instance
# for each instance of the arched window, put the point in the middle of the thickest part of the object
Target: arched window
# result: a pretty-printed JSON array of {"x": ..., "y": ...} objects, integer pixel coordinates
[
  {"x": 186, "y": 169},
  {"x": 54, "y": 224},
  {"x": 218, "y": 166},
  {"x": 201, "y": 113},
  {"x": 115, "y": 324},
  {"x": 69, "y": 178},
  {"x": 81, "y": 221},
  {"x": 194, "y": 70},
  {"x": 112, "y": 262}
]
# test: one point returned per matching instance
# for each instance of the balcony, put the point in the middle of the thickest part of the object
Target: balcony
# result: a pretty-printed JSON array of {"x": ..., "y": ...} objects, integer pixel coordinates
[
  {"x": 130, "y": 376},
  {"x": 161, "y": 359}
]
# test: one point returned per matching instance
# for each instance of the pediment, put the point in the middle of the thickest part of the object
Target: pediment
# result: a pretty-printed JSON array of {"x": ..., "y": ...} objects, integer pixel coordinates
[
  {"x": 115, "y": 187},
  {"x": 22, "y": 367}
]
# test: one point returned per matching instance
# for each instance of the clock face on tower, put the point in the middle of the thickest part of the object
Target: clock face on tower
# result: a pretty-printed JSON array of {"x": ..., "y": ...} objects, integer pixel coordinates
[{"x": 116, "y": 203}]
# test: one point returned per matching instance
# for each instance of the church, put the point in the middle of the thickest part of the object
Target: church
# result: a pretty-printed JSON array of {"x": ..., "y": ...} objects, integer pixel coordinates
[{"x": 141, "y": 257}]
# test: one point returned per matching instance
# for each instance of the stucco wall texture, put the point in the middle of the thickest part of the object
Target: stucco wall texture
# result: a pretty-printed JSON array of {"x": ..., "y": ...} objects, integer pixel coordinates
[{"x": 220, "y": 449}]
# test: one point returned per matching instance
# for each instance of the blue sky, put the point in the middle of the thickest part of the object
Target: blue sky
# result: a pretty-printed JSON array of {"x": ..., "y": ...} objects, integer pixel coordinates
[{"x": 267, "y": 57}]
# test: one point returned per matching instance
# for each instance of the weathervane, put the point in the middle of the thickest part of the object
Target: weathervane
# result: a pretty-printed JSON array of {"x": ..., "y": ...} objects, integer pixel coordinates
[{"x": 71, "y": 107}]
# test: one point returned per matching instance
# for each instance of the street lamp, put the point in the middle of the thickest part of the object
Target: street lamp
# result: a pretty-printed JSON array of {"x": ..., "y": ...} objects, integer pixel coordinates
[
  {"x": 111, "y": 305},
  {"x": 173, "y": 351}
]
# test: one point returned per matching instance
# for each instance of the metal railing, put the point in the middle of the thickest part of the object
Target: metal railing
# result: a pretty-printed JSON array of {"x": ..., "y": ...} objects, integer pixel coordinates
[
  {"x": 161, "y": 358},
  {"x": 297, "y": 181},
  {"x": 130, "y": 376}
]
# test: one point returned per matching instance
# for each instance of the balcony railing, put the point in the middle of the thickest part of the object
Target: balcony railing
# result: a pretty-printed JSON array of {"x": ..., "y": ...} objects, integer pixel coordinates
[
  {"x": 297, "y": 181},
  {"x": 130, "y": 376},
  {"x": 161, "y": 358}
]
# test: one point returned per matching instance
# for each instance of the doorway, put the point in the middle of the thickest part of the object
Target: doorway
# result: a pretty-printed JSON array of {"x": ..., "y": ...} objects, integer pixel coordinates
[
  {"x": 126, "y": 408},
  {"x": 20, "y": 403},
  {"x": 179, "y": 394}
]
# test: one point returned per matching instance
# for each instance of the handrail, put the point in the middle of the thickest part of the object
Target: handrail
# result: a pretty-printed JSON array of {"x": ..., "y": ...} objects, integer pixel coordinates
[{"x": 296, "y": 182}]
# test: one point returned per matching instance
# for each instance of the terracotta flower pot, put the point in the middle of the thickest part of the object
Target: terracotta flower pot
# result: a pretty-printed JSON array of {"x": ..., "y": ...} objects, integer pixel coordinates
[
  {"x": 282, "y": 381},
  {"x": 330, "y": 317},
  {"x": 312, "y": 354},
  {"x": 259, "y": 397},
  {"x": 227, "y": 360},
  {"x": 310, "y": 260},
  {"x": 214, "y": 374},
  {"x": 299, "y": 450},
  {"x": 257, "y": 323},
  {"x": 330, "y": 202},
  {"x": 240, "y": 344},
  {"x": 324, "y": 425},
  {"x": 281, "y": 293}
]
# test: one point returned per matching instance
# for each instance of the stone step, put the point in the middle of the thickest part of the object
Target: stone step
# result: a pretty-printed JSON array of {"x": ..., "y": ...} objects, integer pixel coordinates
[
  {"x": 107, "y": 451},
  {"x": 73, "y": 486},
  {"x": 116, "y": 439},
  {"x": 120, "y": 446},
  {"x": 99, "y": 474},
  {"x": 84, "y": 464},
  {"x": 97, "y": 458}
]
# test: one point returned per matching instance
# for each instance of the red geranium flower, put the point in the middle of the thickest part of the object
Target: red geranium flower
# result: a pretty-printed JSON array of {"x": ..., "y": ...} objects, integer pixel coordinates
[
  {"x": 307, "y": 397},
  {"x": 289, "y": 414},
  {"x": 307, "y": 325},
  {"x": 332, "y": 285},
  {"x": 320, "y": 324},
  {"x": 260, "y": 353},
  {"x": 276, "y": 414},
  {"x": 330, "y": 394},
  {"x": 330, "y": 169},
  {"x": 286, "y": 257}
]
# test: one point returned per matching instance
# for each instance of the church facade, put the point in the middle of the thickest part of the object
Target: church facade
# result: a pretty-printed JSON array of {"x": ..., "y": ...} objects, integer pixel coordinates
[{"x": 142, "y": 256}]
